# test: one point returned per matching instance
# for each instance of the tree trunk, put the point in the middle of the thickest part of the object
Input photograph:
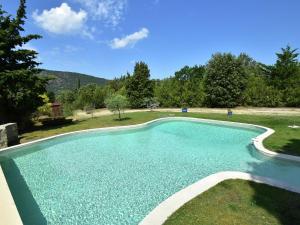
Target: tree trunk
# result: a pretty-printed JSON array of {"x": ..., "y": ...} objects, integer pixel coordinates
[{"x": 119, "y": 114}]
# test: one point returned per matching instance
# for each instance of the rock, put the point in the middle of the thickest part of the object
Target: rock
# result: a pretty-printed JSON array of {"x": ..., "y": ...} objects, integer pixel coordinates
[{"x": 8, "y": 135}]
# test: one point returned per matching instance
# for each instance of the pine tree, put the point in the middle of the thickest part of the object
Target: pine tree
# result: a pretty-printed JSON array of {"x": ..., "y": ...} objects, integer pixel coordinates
[
  {"x": 139, "y": 86},
  {"x": 20, "y": 88},
  {"x": 286, "y": 69}
]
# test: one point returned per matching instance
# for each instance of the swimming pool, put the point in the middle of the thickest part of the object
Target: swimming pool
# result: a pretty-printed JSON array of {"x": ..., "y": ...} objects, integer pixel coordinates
[{"x": 119, "y": 176}]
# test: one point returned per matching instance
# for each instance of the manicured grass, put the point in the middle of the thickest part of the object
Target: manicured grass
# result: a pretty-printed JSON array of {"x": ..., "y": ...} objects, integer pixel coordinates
[
  {"x": 285, "y": 140},
  {"x": 240, "y": 202}
]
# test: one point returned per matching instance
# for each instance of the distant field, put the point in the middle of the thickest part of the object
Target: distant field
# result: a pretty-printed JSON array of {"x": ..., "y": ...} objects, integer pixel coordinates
[{"x": 284, "y": 140}]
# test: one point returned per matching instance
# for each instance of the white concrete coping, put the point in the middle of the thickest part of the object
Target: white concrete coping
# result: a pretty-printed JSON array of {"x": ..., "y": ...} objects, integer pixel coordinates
[
  {"x": 165, "y": 209},
  {"x": 12, "y": 211},
  {"x": 8, "y": 211}
]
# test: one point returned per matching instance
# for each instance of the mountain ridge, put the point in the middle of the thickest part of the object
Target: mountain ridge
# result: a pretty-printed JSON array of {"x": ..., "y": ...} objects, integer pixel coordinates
[{"x": 65, "y": 80}]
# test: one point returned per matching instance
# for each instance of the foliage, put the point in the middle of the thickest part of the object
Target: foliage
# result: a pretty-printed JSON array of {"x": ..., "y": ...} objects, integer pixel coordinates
[
  {"x": 85, "y": 96},
  {"x": 292, "y": 96},
  {"x": 139, "y": 85},
  {"x": 45, "y": 109},
  {"x": 259, "y": 93},
  {"x": 225, "y": 81},
  {"x": 116, "y": 103},
  {"x": 20, "y": 88},
  {"x": 151, "y": 103},
  {"x": 90, "y": 96},
  {"x": 185, "y": 88},
  {"x": 285, "y": 69},
  {"x": 118, "y": 85},
  {"x": 67, "y": 99}
]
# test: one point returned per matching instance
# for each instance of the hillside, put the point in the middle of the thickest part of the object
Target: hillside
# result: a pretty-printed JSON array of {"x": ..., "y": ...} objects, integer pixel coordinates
[{"x": 69, "y": 80}]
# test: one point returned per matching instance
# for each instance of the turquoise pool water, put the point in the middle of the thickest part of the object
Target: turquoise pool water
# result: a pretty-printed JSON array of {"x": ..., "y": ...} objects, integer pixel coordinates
[{"x": 119, "y": 177}]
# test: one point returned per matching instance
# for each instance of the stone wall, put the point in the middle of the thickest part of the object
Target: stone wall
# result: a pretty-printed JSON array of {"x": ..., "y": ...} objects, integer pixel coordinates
[{"x": 8, "y": 134}]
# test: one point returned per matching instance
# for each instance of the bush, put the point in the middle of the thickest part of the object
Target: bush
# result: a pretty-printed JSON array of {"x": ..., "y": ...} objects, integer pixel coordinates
[
  {"x": 45, "y": 110},
  {"x": 292, "y": 97},
  {"x": 259, "y": 94}
]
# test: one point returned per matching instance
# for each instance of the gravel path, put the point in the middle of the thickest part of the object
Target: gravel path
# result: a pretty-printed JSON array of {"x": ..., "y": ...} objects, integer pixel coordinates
[{"x": 79, "y": 114}]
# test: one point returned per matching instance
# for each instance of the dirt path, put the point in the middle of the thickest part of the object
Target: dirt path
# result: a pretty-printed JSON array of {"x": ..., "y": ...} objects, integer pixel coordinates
[{"x": 79, "y": 114}]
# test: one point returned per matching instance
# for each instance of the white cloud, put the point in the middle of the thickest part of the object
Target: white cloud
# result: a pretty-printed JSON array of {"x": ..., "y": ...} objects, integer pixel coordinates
[
  {"x": 62, "y": 20},
  {"x": 28, "y": 46},
  {"x": 109, "y": 11},
  {"x": 130, "y": 39}
]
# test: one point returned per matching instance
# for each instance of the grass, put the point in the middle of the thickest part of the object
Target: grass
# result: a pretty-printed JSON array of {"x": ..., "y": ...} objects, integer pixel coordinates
[
  {"x": 240, "y": 202},
  {"x": 285, "y": 140}
]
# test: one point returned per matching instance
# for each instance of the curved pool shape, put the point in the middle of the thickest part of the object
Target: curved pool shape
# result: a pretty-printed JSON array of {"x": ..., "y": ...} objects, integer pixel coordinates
[{"x": 118, "y": 177}]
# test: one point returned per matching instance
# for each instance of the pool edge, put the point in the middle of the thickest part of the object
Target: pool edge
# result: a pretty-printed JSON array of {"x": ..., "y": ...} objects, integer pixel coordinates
[
  {"x": 257, "y": 141},
  {"x": 165, "y": 209},
  {"x": 8, "y": 210}
]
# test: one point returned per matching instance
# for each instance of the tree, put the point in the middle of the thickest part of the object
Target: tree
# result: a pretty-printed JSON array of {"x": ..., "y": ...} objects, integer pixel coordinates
[
  {"x": 190, "y": 87},
  {"x": 225, "y": 81},
  {"x": 116, "y": 103},
  {"x": 20, "y": 88},
  {"x": 85, "y": 97},
  {"x": 259, "y": 93},
  {"x": 67, "y": 99},
  {"x": 139, "y": 85},
  {"x": 285, "y": 68},
  {"x": 285, "y": 75},
  {"x": 151, "y": 103},
  {"x": 44, "y": 110},
  {"x": 184, "y": 88}
]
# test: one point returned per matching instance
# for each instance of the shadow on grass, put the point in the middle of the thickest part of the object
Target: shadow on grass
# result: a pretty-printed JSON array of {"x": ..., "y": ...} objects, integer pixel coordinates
[
  {"x": 28, "y": 208},
  {"x": 48, "y": 127},
  {"x": 282, "y": 204},
  {"x": 122, "y": 119},
  {"x": 293, "y": 148}
]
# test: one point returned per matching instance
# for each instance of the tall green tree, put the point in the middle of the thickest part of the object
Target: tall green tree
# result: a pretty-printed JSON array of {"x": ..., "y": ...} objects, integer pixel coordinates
[
  {"x": 185, "y": 88},
  {"x": 225, "y": 81},
  {"x": 20, "y": 88},
  {"x": 286, "y": 68},
  {"x": 285, "y": 76},
  {"x": 139, "y": 86}
]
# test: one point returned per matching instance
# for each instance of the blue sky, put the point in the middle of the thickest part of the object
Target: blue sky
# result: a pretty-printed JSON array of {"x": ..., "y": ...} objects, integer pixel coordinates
[{"x": 105, "y": 37}]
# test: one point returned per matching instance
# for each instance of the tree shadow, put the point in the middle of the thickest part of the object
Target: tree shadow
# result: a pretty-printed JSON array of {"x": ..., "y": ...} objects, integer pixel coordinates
[
  {"x": 122, "y": 119},
  {"x": 282, "y": 204},
  {"x": 48, "y": 127},
  {"x": 28, "y": 209},
  {"x": 292, "y": 147}
]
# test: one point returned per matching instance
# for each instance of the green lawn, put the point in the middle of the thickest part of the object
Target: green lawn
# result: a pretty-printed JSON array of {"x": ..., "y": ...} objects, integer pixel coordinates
[
  {"x": 236, "y": 202},
  {"x": 285, "y": 140}
]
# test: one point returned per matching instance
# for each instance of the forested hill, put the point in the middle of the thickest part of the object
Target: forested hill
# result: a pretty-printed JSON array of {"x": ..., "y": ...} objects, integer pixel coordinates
[{"x": 69, "y": 80}]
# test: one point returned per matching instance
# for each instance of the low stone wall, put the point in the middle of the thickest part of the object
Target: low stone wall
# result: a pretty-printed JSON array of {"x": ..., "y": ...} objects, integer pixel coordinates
[{"x": 8, "y": 134}]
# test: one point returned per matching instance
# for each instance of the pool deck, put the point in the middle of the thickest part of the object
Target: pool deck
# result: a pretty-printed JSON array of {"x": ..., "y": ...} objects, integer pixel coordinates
[
  {"x": 9, "y": 214},
  {"x": 8, "y": 211}
]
